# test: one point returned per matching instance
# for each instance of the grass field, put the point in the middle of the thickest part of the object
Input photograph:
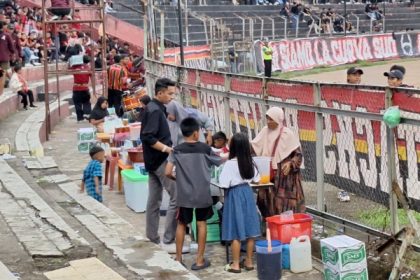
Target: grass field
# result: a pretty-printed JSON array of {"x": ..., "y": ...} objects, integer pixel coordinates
[{"x": 373, "y": 72}]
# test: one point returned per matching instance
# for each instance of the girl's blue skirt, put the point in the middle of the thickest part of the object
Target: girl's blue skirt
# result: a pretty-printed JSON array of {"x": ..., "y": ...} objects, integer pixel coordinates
[{"x": 240, "y": 217}]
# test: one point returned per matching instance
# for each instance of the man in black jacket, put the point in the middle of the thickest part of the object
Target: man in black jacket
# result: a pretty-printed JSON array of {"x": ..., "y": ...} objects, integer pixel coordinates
[{"x": 156, "y": 139}]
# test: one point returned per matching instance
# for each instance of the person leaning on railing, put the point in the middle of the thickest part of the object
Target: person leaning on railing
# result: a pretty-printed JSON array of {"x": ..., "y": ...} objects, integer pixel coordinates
[
  {"x": 396, "y": 76},
  {"x": 354, "y": 75}
]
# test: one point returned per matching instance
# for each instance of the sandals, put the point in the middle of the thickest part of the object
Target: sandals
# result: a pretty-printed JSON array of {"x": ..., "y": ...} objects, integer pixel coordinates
[
  {"x": 228, "y": 268},
  {"x": 200, "y": 267},
  {"x": 247, "y": 268}
]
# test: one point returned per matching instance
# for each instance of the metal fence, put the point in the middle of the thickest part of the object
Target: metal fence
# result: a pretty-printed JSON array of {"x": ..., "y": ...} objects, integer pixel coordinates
[{"x": 345, "y": 143}]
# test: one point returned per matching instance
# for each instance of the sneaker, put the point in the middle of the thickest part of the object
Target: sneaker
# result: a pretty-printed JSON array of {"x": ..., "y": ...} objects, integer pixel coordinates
[
  {"x": 68, "y": 17},
  {"x": 171, "y": 248},
  {"x": 54, "y": 18},
  {"x": 33, "y": 106},
  {"x": 343, "y": 196}
]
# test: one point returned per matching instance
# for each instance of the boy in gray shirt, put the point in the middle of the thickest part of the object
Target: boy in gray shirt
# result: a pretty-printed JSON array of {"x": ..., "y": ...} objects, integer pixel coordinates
[{"x": 193, "y": 160}]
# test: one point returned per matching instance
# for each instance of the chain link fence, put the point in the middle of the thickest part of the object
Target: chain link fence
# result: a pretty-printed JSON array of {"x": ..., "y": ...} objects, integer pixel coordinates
[{"x": 346, "y": 145}]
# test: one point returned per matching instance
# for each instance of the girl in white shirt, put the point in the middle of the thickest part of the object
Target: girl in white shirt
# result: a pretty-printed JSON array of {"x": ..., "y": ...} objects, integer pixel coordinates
[{"x": 240, "y": 217}]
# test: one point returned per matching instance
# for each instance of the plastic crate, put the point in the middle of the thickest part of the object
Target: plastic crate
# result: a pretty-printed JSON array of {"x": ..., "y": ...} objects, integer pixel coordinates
[
  {"x": 285, "y": 230},
  {"x": 213, "y": 227}
]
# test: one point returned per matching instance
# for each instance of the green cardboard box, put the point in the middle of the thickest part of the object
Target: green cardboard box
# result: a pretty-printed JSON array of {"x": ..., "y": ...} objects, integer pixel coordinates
[
  {"x": 86, "y": 134},
  {"x": 343, "y": 253},
  {"x": 85, "y": 146},
  {"x": 356, "y": 274}
]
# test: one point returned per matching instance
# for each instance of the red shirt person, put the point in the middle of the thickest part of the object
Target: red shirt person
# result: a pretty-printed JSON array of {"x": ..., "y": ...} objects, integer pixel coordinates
[
  {"x": 81, "y": 94},
  {"x": 117, "y": 82}
]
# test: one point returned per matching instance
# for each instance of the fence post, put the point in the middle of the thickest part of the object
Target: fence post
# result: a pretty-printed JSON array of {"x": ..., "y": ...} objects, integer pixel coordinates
[
  {"x": 392, "y": 172},
  {"x": 198, "y": 91},
  {"x": 162, "y": 36},
  {"x": 319, "y": 126},
  {"x": 226, "y": 101}
]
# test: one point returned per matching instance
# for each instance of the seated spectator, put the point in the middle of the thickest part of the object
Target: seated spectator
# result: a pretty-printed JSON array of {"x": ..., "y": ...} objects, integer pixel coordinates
[
  {"x": 313, "y": 24},
  {"x": 98, "y": 114},
  {"x": 370, "y": 11},
  {"x": 60, "y": 9},
  {"x": 325, "y": 22},
  {"x": 108, "y": 8},
  {"x": 26, "y": 54},
  {"x": 338, "y": 23},
  {"x": 295, "y": 11},
  {"x": 19, "y": 85},
  {"x": 285, "y": 11},
  {"x": 35, "y": 44}
]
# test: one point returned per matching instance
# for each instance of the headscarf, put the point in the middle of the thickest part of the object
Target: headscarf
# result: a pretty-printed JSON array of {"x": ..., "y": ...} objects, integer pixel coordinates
[
  {"x": 98, "y": 113},
  {"x": 263, "y": 143}
]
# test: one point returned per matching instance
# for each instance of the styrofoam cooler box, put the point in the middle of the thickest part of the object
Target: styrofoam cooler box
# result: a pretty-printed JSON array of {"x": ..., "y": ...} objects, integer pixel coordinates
[
  {"x": 135, "y": 131},
  {"x": 136, "y": 189}
]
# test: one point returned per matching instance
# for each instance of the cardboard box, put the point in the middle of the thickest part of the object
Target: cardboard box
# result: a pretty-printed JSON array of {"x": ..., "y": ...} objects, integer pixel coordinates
[
  {"x": 85, "y": 146},
  {"x": 343, "y": 253},
  {"x": 86, "y": 134},
  {"x": 355, "y": 274}
]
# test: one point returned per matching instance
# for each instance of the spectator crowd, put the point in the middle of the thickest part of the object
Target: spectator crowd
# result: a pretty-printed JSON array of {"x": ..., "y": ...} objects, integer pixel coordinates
[{"x": 22, "y": 45}]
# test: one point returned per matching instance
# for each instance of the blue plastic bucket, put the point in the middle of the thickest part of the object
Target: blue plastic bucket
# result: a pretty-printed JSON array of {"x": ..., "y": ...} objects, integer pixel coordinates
[{"x": 269, "y": 264}]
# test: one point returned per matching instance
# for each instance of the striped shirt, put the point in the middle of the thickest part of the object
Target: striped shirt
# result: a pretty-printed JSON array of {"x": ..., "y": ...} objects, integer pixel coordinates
[
  {"x": 92, "y": 170},
  {"x": 117, "y": 77}
]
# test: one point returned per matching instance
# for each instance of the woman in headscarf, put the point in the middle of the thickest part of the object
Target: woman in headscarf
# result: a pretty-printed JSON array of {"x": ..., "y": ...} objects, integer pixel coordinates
[
  {"x": 98, "y": 114},
  {"x": 177, "y": 113},
  {"x": 283, "y": 146}
]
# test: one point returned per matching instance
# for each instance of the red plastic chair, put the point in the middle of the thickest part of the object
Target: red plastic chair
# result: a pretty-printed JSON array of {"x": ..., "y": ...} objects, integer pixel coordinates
[{"x": 111, "y": 162}]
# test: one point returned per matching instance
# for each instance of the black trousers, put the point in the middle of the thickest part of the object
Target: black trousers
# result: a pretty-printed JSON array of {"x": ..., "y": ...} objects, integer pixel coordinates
[
  {"x": 81, "y": 100},
  {"x": 267, "y": 68},
  {"x": 115, "y": 100},
  {"x": 25, "y": 95},
  {"x": 60, "y": 11}
]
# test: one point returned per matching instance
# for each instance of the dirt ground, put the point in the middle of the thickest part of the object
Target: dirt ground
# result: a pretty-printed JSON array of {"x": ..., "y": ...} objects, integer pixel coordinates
[{"x": 373, "y": 75}]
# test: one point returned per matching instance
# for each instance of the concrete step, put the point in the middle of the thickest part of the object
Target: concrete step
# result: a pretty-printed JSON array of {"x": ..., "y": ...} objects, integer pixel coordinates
[
  {"x": 5, "y": 274},
  {"x": 25, "y": 229},
  {"x": 140, "y": 256},
  {"x": 37, "y": 226},
  {"x": 86, "y": 269}
]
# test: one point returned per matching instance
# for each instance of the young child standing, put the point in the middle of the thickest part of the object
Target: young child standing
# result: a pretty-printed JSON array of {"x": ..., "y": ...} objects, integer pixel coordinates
[
  {"x": 193, "y": 160},
  {"x": 92, "y": 175},
  {"x": 240, "y": 217}
]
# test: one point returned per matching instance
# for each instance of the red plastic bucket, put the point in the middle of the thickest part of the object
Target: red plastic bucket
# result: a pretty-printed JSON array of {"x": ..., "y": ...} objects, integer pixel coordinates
[{"x": 285, "y": 229}]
